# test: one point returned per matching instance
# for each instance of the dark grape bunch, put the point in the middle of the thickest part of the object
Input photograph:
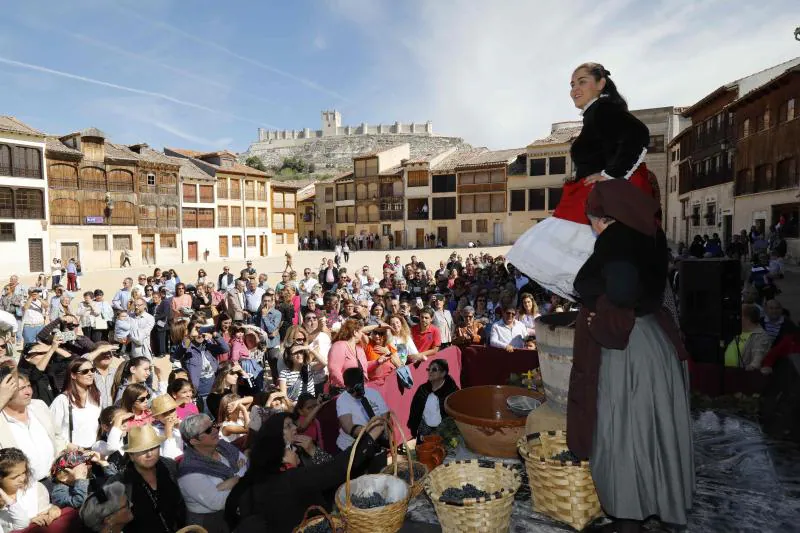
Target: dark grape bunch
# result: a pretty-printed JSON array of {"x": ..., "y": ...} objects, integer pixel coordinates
[
  {"x": 403, "y": 473},
  {"x": 368, "y": 502},
  {"x": 566, "y": 457},
  {"x": 457, "y": 496},
  {"x": 320, "y": 527}
]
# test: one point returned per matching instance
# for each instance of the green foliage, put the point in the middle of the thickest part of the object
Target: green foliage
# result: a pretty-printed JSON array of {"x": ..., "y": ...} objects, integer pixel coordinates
[
  {"x": 297, "y": 165},
  {"x": 255, "y": 162}
]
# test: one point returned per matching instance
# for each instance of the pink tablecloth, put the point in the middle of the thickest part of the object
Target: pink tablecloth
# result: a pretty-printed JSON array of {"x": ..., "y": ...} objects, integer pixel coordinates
[{"x": 398, "y": 400}]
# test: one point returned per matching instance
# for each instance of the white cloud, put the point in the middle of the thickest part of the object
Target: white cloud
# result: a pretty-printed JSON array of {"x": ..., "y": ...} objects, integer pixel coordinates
[
  {"x": 497, "y": 73},
  {"x": 320, "y": 43}
]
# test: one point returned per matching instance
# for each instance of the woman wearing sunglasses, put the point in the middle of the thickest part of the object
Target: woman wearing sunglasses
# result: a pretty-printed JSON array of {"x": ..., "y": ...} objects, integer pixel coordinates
[
  {"x": 136, "y": 400},
  {"x": 295, "y": 378},
  {"x": 76, "y": 410}
]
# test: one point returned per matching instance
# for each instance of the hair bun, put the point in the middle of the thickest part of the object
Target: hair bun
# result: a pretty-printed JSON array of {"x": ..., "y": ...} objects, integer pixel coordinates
[{"x": 606, "y": 73}]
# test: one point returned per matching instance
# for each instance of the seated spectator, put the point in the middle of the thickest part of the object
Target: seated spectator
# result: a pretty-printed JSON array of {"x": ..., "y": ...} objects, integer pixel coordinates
[
  {"x": 278, "y": 488},
  {"x": 749, "y": 348},
  {"x": 105, "y": 366},
  {"x": 789, "y": 344},
  {"x": 508, "y": 333},
  {"x": 402, "y": 341},
  {"x": 166, "y": 424},
  {"x": 226, "y": 382},
  {"x": 427, "y": 406},
  {"x": 775, "y": 322},
  {"x": 528, "y": 313},
  {"x": 355, "y": 407},
  {"x": 24, "y": 500},
  {"x": 233, "y": 419},
  {"x": 108, "y": 510},
  {"x": 151, "y": 485},
  {"x": 469, "y": 331},
  {"x": 264, "y": 406},
  {"x": 295, "y": 376},
  {"x": 26, "y": 424},
  {"x": 183, "y": 393},
  {"x": 347, "y": 351},
  {"x": 112, "y": 430},
  {"x": 136, "y": 370},
  {"x": 76, "y": 411},
  {"x": 71, "y": 472},
  {"x": 426, "y": 336},
  {"x": 136, "y": 400},
  {"x": 305, "y": 416},
  {"x": 319, "y": 339},
  {"x": 380, "y": 351},
  {"x": 209, "y": 470}
]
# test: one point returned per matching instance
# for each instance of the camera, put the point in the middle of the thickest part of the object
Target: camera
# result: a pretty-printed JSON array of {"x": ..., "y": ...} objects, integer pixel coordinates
[{"x": 66, "y": 336}]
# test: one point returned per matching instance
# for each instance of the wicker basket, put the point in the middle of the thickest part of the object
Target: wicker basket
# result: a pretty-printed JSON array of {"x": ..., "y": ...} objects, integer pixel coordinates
[
  {"x": 419, "y": 483},
  {"x": 561, "y": 490},
  {"x": 489, "y": 515},
  {"x": 385, "y": 519},
  {"x": 336, "y": 523}
]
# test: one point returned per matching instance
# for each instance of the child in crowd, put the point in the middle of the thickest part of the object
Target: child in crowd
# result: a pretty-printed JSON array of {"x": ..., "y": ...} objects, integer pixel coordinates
[
  {"x": 234, "y": 417},
  {"x": 305, "y": 415},
  {"x": 113, "y": 427},
  {"x": 71, "y": 472},
  {"x": 122, "y": 330},
  {"x": 23, "y": 500}
]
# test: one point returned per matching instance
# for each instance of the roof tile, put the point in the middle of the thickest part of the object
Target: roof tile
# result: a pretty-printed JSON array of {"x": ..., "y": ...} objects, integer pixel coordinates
[{"x": 14, "y": 125}]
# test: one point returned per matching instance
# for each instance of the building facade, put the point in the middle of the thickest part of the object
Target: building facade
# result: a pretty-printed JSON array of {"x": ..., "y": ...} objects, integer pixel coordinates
[
  {"x": 767, "y": 185},
  {"x": 24, "y": 235},
  {"x": 199, "y": 231}
]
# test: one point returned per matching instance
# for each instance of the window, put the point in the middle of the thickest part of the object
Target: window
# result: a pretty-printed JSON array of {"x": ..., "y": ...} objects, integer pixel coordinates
[
  {"x": 189, "y": 217},
  {"x": 786, "y": 173},
  {"x": 26, "y": 162},
  {"x": 346, "y": 214},
  {"x": 763, "y": 177},
  {"x": 236, "y": 217},
  {"x": 558, "y": 165},
  {"x": 329, "y": 216},
  {"x": 536, "y": 199},
  {"x": 289, "y": 221},
  {"x": 418, "y": 178},
  {"x": 236, "y": 190},
  {"x": 387, "y": 229},
  {"x": 328, "y": 194},
  {"x": 99, "y": 243},
  {"x": 360, "y": 168},
  {"x": 695, "y": 215},
  {"x": 207, "y": 194},
  {"x": 251, "y": 241},
  {"x": 151, "y": 179},
  {"x": 290, "y": 197},
  {"x": 765, "y": 120},
  {"x": 262, "y": 218},
  {"x": 249, "y": 190},
  {"x": 122, "y": 242},
  {"x": 466, "y": 226},
  {"x": 250, "y": 217},
  {"x": 7, "y": 232},
  {"x": 222, "y": 213},
  {"x": 518, "y": 200},
  {"x": 205, "y": 218},
  {"x": 444, "y": 208},
  {"x": 744, "y": 181},
  {"x": 746, "y": 127},
  {"x": 189, "y": 193},
  {"x": 418, "y": 209},
  {"x": 656, "y": 145},
  {"x": 553, "y": 197},
  {"x": 790, "y": 109},
  {"x": 482, "y": 226},
  {"x": 466, "y": 203},
  {"x": 538, "y": 166},
  {"x": 444, "y": 183},
  {"x": 345, "y": 191},
  {"x": 168, "y": 240},
  {"x": 236, "y": 241},
  {"x": 711, "y": 214},
  {"x": 279, "y": 238},
  {"x": 222, "y": 189},
  {"x": 28, "y": 203}
]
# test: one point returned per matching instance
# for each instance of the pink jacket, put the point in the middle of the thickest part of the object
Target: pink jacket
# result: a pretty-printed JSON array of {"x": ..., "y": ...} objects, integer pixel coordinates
[{"x": 238, "y": 350}]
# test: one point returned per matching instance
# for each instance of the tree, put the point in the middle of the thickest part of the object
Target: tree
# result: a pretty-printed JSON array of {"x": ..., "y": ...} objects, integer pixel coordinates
[
  {"x": 297, "y": 165},
  {"x": 255, "y": 162}
]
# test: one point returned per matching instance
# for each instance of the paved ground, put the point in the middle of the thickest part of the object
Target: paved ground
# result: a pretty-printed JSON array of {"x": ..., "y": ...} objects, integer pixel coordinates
[{"x": 110, "y": 280}]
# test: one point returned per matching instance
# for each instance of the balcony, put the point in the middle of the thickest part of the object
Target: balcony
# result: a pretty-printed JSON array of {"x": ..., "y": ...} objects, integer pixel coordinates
[
  {"x": 63, "y": 183},
  {"x": 148, "y": 223},
  {"x": 166, "y": 189},
  {"x": 26, "y": 172},
  {"x": 120, "y": 187},
  {"x": 93, "y": 185},
  {"x": 122, "y": 221},
  {"x": 369, "y": 218},
  {"x": 5, "y": 171},
  {"x": 392, "y": 215},
  {"x": 64, "y": 220}
]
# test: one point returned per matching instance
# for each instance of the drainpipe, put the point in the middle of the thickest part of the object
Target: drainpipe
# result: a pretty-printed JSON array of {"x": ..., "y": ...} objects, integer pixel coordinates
[{"x": 180, "y": 220}]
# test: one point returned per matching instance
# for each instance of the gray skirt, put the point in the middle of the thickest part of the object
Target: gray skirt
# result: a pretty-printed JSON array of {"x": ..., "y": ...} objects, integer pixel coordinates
[{"x": 642, "y": 457}]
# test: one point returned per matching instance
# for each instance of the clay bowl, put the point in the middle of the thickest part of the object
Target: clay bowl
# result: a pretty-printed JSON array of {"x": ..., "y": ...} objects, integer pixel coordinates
[{"x": 488, "y": 426}]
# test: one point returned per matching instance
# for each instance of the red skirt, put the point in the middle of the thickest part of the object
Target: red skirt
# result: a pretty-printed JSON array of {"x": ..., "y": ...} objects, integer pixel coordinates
[{"x": 573, "y": 196}]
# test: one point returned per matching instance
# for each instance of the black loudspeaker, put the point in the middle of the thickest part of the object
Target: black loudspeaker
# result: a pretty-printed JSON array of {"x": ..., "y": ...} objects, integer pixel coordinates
[{"x": 710, "y": 306}]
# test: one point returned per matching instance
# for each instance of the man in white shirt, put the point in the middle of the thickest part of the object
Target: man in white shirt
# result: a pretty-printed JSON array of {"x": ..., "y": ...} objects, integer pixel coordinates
[
  {"x": 351, "y": 407},
  {"x": 508, "y": 333},
  {"x": 363, "y": 277},
  {"x": 141, "y": 283},
  {"x": 27, "y": 424},
  {"x": 307, "y": 285},
  {"x": 142, "y": 324}
]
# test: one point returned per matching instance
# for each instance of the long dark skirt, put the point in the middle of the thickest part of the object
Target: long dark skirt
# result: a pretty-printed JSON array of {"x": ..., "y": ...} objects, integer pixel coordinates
[{"x": 642, "y": 457}]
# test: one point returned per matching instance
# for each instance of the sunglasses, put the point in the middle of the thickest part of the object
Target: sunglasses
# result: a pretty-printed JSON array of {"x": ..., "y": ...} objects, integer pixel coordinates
[
  {"x": 210, "y": 429},
  {"x": 84, "y": 371},
  {"x": 433, "y": 369},
  {"x": 3, "y": 347},
  {"x": 311, "y": 318},
  {"x": 299, "y": 340},
  {"x": 142, "y": 399}
]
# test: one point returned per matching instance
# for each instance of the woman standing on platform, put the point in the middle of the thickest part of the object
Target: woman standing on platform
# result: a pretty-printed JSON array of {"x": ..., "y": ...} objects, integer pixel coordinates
[
  {"x": 612, "y": 144},
  {"x": 628, "y": 407}
]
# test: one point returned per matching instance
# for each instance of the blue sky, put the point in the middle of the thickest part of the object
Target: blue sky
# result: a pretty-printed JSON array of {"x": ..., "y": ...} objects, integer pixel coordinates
[{"x": 205, "y": 75}]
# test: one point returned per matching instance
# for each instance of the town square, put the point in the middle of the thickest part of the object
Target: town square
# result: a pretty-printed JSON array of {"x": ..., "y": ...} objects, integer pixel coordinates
[{"x": 369, "y": 266}]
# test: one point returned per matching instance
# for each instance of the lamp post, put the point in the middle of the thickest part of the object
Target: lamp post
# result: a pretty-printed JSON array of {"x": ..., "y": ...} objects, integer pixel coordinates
[{"x": 108, "y": 211}]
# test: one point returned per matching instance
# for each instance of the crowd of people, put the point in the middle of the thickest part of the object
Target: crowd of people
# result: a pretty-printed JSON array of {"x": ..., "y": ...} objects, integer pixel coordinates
[{"x": 195, "y": 402}]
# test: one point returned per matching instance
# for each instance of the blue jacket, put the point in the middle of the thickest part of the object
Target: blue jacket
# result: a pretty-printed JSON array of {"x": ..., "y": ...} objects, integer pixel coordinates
[
  {"x": 192, "y": 360},
  {"x": 271, "y": 323}
]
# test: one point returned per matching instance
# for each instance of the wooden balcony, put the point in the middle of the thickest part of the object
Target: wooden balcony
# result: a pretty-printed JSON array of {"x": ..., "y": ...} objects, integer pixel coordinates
[{"x": 64, "y": 220}]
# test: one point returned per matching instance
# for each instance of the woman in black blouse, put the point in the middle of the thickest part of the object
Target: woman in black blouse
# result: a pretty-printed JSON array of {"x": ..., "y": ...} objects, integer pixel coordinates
[{"x": 612, "y": 145}]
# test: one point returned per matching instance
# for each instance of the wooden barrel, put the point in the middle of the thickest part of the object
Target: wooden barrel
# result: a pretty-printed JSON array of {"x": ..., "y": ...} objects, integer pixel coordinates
[{"x": 555, "y": 336}]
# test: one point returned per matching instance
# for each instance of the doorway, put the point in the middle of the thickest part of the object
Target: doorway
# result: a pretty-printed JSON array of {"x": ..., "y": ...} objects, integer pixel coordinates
[
  {"x": 263, "y": 248},
  {"x": 36, "y": 255},
  {"x": 498, "y": 233},
  {"x": 727, "y": 228},
  {"x": 223, "y": 246},
  {"x": 70, "y": 250},
  {"x": 193, "y": 251},
  {"x": 441, "y": 234},
  {"x": 149, "y": 249},
  {"x": 398, "y": 239},
  {"x": 420, "y": 237}
]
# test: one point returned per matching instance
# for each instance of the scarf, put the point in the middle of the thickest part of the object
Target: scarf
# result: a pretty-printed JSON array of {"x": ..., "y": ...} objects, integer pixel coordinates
[{"x": 195, "y": 463}]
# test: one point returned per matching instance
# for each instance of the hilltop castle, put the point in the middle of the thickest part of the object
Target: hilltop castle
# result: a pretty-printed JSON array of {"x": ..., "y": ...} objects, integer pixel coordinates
[{"x": 334, "y": 145}]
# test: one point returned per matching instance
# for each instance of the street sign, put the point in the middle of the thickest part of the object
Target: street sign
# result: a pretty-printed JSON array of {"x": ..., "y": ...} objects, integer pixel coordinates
[{"x": 95, "y": 220}]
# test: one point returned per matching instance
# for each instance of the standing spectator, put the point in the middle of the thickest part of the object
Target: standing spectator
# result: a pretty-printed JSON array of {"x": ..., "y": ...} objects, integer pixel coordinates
[
  {"x": 60, "y": 307},
  {"x": 306, "y": 286},
  {"x": 72, "y": 275},
  {"x": 180, "y": 301},
  {"x": 14, "y": 295},
  {"x": 443, "y": 321},
  {"x": 142, "y": 324},
  {"x": 104, "y": 378},
  {"x": 56, "y": 271},
  {"x": 748, "y": 349},
  {"x": 271, "y": 320},
  {"x": 162, "y": 316},
  {"x": 262, "y": 282},
  {"x": 469, "y": 331},
  {"x": 197, "y": 353},
  {"x": 508, "y": 333},
  {"x": 252, "y": 301},
  {"x": 123, "y": 296},
  {"x": 250, "y": 271},
  {"x": 234, "y": 302},
  {"x": 426, "y": 336},
  {"x": 329, "y": 276},
  {"x": 105, "y": 317},
  {"x": 34, "y": 364},
  {"x": 126, "y": 258},
  {"x": 775, "y": 323},
  {"x": 347, "y": 351},
  {"x": 76, "y": 411},
  {"x": 225, "y": 280},
  {"x": 33, "y": 313}
]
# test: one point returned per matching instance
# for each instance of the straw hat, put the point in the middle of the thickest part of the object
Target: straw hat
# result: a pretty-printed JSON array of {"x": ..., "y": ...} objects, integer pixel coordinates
[
  {"x": 141, "y": 439},
  {"x": 162, "y": 404}
]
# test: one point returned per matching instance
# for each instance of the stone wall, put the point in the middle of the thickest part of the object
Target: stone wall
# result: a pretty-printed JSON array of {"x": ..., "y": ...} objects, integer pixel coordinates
[{"x": 338, "y": 152}]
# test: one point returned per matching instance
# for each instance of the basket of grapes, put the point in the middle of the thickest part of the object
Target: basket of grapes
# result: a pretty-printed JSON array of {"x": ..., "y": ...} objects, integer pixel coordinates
[
  {"x": 561, "y": 484},
  {"x": 420, "y": 472},
  {"x": 324, "y": 522},
  {"x": 375, "y": 503},
  {"x": 473, "y": 496}
]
